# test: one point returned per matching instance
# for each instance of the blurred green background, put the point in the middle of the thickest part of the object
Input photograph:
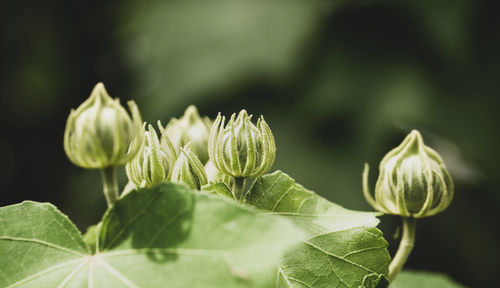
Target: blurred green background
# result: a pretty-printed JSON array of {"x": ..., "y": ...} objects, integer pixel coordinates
[{"x": 340, "y": 84}]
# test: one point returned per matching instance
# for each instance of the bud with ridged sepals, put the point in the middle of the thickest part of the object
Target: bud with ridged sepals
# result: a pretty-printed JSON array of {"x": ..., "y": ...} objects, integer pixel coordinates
[
  {"x": 100, "y": 133},
  {"x": 413, "y": 181},
  {"x": 193, "y": 128},
  {"x": 215, "y": 176},
  {"x": 154, "y": 162},
  {"x": 241, "y": 149},
  {"x": 189, "y": 170}
]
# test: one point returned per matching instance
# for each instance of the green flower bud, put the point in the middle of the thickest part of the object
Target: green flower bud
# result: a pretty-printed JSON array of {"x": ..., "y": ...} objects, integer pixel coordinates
[
  {"x": 413, "y": 181},
  {"x": 190, "y": 128},
  {"x": 189, "y": 170},
  {"x": 154, "y": 162},
  {"x": 215, "y": 176},
  {"x": 100, "y": 133},
  {"x": 241, "y": 149}
]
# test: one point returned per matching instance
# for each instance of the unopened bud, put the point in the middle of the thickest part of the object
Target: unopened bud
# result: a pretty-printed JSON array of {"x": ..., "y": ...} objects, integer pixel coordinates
[
  {"x": 154, "y": 162},
  {"x": 241, "y": 149},
  {"x": 190, "y": 128},
  {"x": 100, "y": 133},
  {"x": 189, "y": 170},
  {"x": 413, "y": 181}
]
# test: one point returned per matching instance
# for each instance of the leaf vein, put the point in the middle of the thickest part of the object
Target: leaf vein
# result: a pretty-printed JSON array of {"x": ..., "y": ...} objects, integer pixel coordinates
[
  {"x": 79, "y": 244},
  {"x": 41, "y": 273},
  {"x": 90, "y": 280},
  {"x": 339, "y": 257},
  {"x": 335, "y": 273},
  {"x": 269, "y": 188},
  {"x": 41, "y": 242},
  {"x": 300, "y": 281},
  {"x": 282, "y": 197},
  {"x": 71, "y": 275},
  {"x": 280, "y": 271},
  {"x": 303, "y": 202},
  {"x": 362, "y": 250},
  {"x": 127, "y": 282}
]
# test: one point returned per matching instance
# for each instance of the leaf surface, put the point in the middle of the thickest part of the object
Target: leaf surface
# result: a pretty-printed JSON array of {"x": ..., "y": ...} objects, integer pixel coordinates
[
  {"x": 343, "y": 246},
  {"x": 169, "y": 236},
  {"x": 422, "y": 279}
]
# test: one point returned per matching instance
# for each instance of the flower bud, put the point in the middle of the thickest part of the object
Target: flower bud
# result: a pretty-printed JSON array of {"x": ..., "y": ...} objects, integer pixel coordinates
[
  {"x": 154, "y": 162},
  {"x": 413, "y": 181},
  {"x": 190, "y": 128},
  {"x": 100, "y": 133},
  {"x": 215, "y": 176},
  {"x": 241, "y": 149},
  {"x": 189, "y": 170}
]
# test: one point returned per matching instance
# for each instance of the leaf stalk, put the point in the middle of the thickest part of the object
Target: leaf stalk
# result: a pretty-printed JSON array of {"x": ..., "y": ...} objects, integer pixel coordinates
[
  {"x": 110, "y": 185},
  {"x": 405, "y": 247},
  {"x": 238, "y": 185}
]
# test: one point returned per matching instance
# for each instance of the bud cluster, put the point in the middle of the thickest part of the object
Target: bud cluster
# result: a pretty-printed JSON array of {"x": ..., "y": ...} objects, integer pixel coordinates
[
  {"x": 413, "y": 181},
  {"x": 100, "y": 134}
]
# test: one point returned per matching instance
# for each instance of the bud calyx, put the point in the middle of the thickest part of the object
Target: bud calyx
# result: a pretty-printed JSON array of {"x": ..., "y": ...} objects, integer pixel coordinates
[
  {"x": 154, "y": 162},
  {"x": 413, "y": 181},
  {"x": 190, "y": 128},
  {"x": 189, "y": 170},
  {"x": 100, "y": 133},
  {"x": 241, "y": 149}
]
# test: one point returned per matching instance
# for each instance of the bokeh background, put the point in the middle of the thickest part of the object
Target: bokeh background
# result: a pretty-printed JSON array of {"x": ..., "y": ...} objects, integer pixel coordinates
[{"x": 340, "y": 84}]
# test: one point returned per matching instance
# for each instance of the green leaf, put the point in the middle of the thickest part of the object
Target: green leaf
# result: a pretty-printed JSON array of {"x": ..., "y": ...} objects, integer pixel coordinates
[
  {"x": 169, "y": 236},
  {"x": 421, "y": 279},
  {"x": 343, "y": 246},
  {"x": 90, "y": 237},
  {"x": 218, "y": 188},
  {"x": 39, "y": 246}
]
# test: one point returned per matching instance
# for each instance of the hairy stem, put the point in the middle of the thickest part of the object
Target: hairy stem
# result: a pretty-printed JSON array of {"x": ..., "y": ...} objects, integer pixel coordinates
[
  {"x": 405, "y": 247},
  {"x": 238, "y": 185},
  {"x": 110, "y": 186}
]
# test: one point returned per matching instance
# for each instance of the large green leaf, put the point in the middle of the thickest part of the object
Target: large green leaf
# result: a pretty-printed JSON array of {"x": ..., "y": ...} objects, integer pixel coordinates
[
  {"x": 421, "y": 279},
  {"x": 170, "y": 236},
  {"x": 39, "y": 246},
  {"x": 343, "y": 246}
]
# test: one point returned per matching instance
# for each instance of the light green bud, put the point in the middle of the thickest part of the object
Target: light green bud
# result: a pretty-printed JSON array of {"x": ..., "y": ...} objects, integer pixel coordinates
[
  {"x": 413, "y": 181},
  {"x": 191, "y": 127},
  {"x": 241, "y": 149},
  {"x": 154, "y": 162},
  {"x": 189, "y": 170},
  {"x": 215, "y": 176},
  {"x": 100, "y": 133}
]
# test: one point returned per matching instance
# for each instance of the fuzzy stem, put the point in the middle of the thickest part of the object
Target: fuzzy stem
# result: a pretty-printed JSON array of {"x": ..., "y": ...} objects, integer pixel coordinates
[
  {"x": 238, "y": 185},
  {"x": 110, "y": 186},
  {"x": 405, "y": 247}
]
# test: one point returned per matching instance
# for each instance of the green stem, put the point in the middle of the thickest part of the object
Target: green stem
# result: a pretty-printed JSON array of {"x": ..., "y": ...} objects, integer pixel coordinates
[
  {"x": 110, "y": 186},
  {"x": 405, "y": 247},
  {"x": 238, "y": 185}
]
